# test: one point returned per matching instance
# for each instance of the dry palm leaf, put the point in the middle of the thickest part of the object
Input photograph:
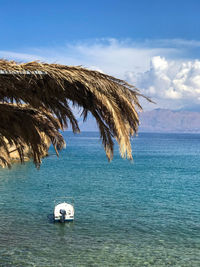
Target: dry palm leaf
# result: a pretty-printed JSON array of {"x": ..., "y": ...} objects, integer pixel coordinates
[{"x": 47, "y": 90}]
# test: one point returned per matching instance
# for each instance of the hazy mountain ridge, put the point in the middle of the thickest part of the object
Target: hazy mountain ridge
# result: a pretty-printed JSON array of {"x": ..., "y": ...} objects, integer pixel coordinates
[
  {"x": 169, "y": 121},
  {"x": 159, "y": 120}
]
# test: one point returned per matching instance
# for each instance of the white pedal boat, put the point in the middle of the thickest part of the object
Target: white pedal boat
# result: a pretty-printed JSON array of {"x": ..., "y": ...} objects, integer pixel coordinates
[{"x": 64, "y": 212}]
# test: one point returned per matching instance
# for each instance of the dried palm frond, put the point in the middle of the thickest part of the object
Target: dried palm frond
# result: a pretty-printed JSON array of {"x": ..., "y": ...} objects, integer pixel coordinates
[
  {"x": 24, "y": 127},
  {"x": 50, "y": 87}
]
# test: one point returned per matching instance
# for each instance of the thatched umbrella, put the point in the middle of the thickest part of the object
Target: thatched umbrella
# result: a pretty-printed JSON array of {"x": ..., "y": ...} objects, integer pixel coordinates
[{"x": 35, "y": 104}]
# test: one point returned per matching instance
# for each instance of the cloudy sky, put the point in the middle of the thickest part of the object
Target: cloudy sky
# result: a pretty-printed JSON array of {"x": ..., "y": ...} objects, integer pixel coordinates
[{"x": 152, "y": 44}]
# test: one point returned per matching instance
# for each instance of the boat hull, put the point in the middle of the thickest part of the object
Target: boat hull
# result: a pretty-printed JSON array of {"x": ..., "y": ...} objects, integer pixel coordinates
[{"x": 65, "y": 220}]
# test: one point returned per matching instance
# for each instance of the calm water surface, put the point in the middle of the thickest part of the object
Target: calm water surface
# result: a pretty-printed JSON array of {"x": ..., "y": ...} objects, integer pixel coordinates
[{"x": 145, "y": 213}]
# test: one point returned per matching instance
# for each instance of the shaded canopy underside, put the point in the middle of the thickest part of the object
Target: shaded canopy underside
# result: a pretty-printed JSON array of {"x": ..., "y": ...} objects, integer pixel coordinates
[{"x": 34, "y": 103}]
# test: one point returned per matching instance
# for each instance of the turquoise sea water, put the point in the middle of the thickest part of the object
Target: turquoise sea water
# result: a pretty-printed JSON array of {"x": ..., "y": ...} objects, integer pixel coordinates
[{"x": 145, "y": 213}]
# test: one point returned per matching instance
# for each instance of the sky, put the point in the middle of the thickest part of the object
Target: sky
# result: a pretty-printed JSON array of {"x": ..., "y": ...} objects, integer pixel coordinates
[{"x": 152, "y": 44}]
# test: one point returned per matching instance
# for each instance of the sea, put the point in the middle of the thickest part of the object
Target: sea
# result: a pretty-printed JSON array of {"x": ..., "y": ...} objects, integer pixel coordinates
[{"x": 140, "y": 213}]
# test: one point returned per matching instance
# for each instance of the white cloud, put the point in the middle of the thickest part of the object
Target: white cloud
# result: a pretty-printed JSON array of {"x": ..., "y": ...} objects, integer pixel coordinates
[
  {"x": 19, "y": 56},
  {"x": 108, "y": 55},
  {"x": 170, "y": 79},
  {"x": 115, "y": 57},
  {"x": 172, "y": 83},
  {"x": 173, "y": 43}
]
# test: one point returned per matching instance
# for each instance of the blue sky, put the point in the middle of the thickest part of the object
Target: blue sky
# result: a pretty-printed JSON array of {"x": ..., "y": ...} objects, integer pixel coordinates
[{"x": 154, "y": 44}]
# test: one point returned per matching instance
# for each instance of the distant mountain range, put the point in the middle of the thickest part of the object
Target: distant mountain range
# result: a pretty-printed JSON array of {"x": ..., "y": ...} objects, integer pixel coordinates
[
  {"x": 169, "y": 121},
  {"x": 160, "y": 121}
]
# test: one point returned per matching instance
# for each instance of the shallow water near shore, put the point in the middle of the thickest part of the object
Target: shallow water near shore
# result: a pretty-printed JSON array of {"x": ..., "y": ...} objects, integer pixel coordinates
[{"x": 145, "y": 213}]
